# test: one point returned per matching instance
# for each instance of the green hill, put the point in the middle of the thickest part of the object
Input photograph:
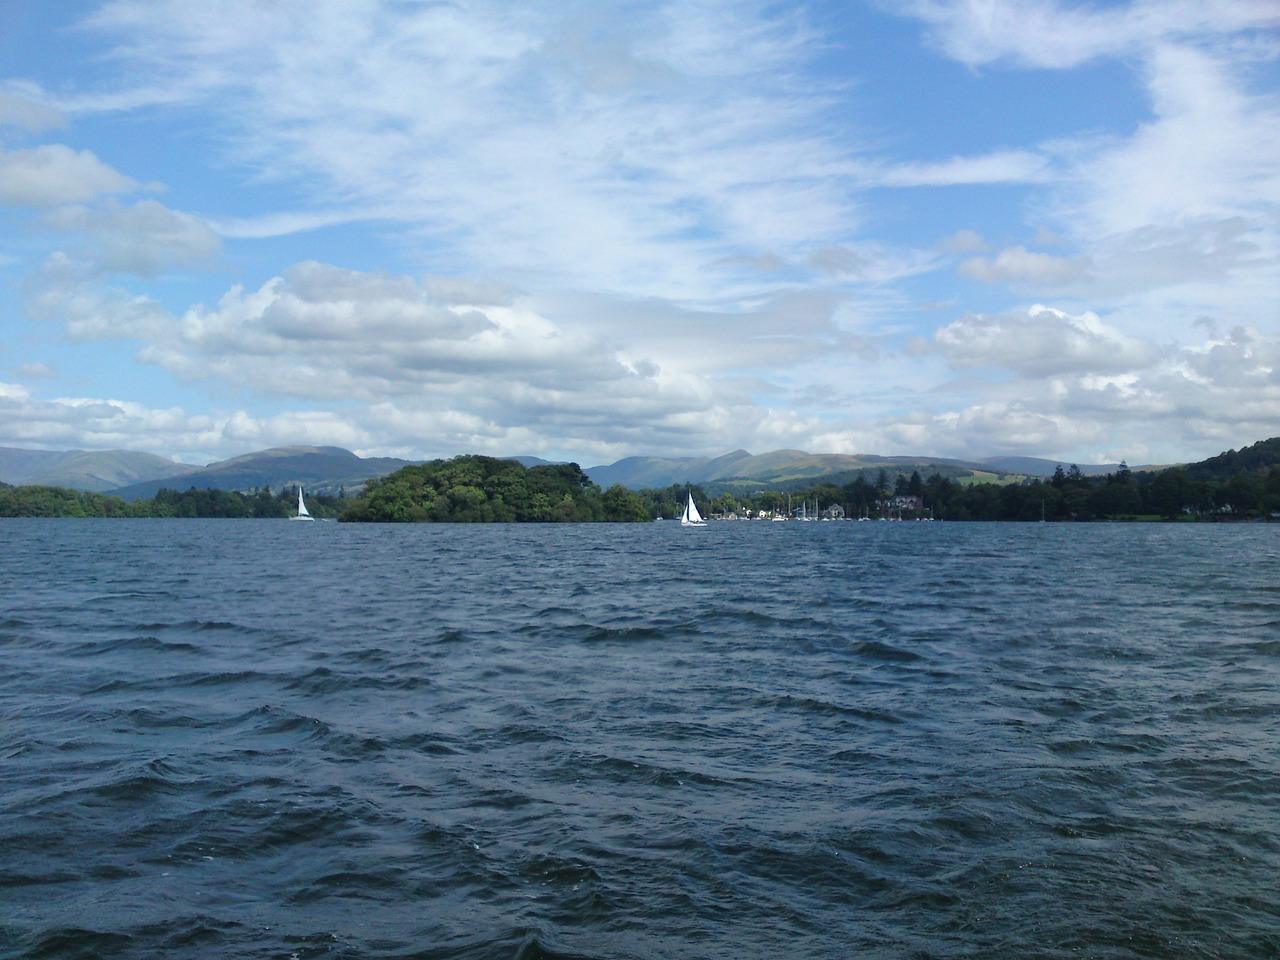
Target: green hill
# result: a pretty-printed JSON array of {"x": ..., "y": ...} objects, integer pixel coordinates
[
  {"x": 474, "y": 489},
  {"x": 1255, "y": 458}
]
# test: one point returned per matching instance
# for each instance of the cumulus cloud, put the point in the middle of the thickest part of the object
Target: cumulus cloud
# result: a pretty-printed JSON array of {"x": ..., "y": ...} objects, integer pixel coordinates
[
  {"x": 1018, "y": 265},
  {"x": 412, "y": 352},
  {"x": 992, "y": 427},
  {"x": 68, "y": 292},
  {"x": 1150, "y": 405},
  {"x": 143, "y": 239},
  {"x": 54, "y": 174},
  {"x": 105, "y": 423},
  {"x": 1043, "y": 342}
]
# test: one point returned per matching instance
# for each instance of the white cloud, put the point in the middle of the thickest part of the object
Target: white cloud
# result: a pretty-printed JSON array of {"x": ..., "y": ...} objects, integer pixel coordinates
[
  {"x": 557, "y": 146},
  {"x": 54, "y": 174},
  {"x": 677, "y": 194},
  {"x": 1044, "y": 342},
  {"x": 403, "y": 350},
  {"x": 1087, "y": 393},
  {"x": 1047, "y": 34},
  {"x": 37, "y": 371},
  {"x": 141, "y": 239},
  {"x": 20, "y": 111},
  {"x": 105, "y": 423},
  {"x": 1006, "y": 166},
  {"x": 1210, "y": 152},
  {"x": 1177, "y": 217},
  {"x": 67, "y": 291},
  {"x": 1019, "y": 265},
  {"x": 964, "y": 241}
]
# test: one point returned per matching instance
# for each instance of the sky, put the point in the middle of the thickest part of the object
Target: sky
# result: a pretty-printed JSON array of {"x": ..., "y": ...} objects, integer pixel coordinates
[{"x": 589, "y": 230}]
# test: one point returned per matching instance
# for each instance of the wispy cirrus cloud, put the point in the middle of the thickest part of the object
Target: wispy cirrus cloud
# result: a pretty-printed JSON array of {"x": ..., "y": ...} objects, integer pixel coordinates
[
  {"x": 1053, "y": 35},
  {"x": 557, "y": 144}
]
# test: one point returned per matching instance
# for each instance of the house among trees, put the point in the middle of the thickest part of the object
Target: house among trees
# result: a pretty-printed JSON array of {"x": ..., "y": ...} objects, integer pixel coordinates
[
  {"x": 900, "y": 503},
  {"x": 833, "y": 512}
]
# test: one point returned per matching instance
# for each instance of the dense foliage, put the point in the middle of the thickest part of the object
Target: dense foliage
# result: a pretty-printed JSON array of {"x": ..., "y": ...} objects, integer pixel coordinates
[
  {"x": 1254, "y": 459},
  {"x": 61, "y": 502},
  {"x": 475, "y": 489}
]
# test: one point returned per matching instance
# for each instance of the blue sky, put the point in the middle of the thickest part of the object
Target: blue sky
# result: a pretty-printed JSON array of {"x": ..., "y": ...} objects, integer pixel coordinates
[{"x": 592, "y": 230}]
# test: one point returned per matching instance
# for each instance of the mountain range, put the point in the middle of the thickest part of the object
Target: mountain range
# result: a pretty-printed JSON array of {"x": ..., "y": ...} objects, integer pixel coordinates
[
  {"x": 95, "y": 470},
  {"x": 318, "y": 469},
  {"x": 327, "y": 469},
  {"x": 789, "y": 467}
]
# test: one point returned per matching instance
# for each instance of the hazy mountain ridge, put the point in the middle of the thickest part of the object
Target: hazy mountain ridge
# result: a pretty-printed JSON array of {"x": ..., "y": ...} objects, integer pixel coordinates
[
  {"x": 775, "y": 467},
  {"x": 324, "y": 469},
  {"x": 318, "y": 469},
  {"x": 93, "y": 470}
]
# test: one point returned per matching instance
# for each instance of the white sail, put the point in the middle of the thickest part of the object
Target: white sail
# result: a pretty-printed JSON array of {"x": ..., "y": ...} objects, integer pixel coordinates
[
  {"x": 691, "y": 517},
  {"x": 302, "y": 508}
]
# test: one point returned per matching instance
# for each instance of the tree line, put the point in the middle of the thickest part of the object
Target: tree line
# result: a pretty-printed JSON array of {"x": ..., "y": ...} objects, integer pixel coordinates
[
  {"x": 1068, "y": 495},
  {"x": 35, "y": 501},
  {"x": 1236, "y": 485}
]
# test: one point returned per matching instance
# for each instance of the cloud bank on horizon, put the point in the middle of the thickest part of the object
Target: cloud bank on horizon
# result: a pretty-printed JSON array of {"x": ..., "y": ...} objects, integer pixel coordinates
[{"x": 585, "y": 230}]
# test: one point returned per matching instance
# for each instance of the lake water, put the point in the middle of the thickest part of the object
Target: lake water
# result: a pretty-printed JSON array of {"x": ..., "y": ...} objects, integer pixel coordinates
[{"x": 269, "y": 739}]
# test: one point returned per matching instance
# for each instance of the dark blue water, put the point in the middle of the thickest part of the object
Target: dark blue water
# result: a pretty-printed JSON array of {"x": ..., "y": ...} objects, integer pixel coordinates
[{"x": 265, "y": 739}]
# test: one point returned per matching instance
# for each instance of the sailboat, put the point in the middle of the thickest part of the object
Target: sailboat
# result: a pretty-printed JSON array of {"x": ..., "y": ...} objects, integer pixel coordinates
[
  {"x": 302, "y": 508},
  {"x": 691, "y": 517}
]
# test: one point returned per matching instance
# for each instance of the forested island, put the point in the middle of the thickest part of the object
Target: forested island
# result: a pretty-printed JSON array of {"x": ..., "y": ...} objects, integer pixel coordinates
[
  {"x": 1233, "y": 486},
  {"x": 473, "y": 489}
]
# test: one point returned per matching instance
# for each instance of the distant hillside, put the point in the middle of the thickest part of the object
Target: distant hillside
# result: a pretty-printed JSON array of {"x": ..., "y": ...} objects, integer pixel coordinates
[
  {"x": 778, "y": 468},
  {"x": 1039, "y": 467},
  {"x": 92, "y": 470},
  {"x": 318, "y": 469},
  {"x": 1254, "y": 458}
]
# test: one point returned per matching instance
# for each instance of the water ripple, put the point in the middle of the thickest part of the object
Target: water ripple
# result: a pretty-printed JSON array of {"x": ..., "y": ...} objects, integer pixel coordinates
[{"x": 580, "y": 742}]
